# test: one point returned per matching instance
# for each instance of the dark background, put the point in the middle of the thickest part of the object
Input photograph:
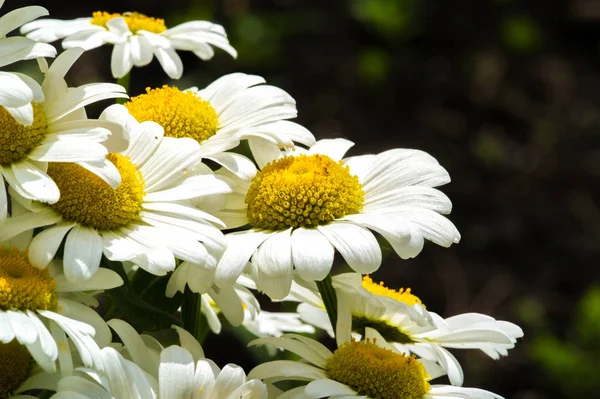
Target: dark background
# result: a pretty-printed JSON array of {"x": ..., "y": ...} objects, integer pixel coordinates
[{"x": 503, "y": 93}]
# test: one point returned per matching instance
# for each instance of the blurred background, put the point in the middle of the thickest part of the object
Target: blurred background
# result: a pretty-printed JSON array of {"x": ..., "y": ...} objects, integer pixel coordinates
[{"x": 504, "y": 93}]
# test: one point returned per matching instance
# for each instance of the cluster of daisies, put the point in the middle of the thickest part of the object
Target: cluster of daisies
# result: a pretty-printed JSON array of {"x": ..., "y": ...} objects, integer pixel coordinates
[{"x": 212, "y": 195}]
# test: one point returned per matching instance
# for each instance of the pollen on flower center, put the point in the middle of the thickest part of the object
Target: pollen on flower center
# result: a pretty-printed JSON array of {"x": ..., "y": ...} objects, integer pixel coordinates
[
  {"x": 180, "y": 113},
  {"x": 16, "y": 140},
  {"x": 87, "y": 199},
  {"x": 400, "y": 295},
  {"x": 15, "y": 362},
  {"x": 376, "y": 372},
  {"x": 135, "y": 21},
  {"x": 302, "y": 191},
  {"x": 22, "y": 286}
]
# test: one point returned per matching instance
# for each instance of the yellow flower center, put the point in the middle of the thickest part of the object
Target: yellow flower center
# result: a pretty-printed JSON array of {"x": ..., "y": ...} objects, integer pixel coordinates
[
  {"x": 400, "y": 295},
  {"x": 302, "y": 191},
  {"x": 14, "y": 363},
  {"x": 16, "y": 140},
  {"x": 87, "y": 199},
  {"x": 22, "y": 286},
  {"x": 180, "y": 113},
  {"x": 135, "y": 21},
  {"x": 376, "y": 372}
]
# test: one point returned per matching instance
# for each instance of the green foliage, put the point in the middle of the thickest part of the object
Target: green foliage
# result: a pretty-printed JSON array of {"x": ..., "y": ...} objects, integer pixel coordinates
[
  {"x": 572, "y": 363},
  {"x": 389, "y": 17},
  {"x": 374, "y": 65},
  {"x": 520, "y": 33},
  {"x": 147, "y": 311}
]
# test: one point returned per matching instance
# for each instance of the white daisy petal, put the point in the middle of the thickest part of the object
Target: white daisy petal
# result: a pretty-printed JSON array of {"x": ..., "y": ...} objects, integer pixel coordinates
[
  {"x": 240, "y": 248},
  {"x": 88, "y": 39},
  {"x": 236, "y": 163},
  {"x": 121, "y": 61},
  {"x": 313, "y": 254},
  {"x": 170, "y": 62},
  {"x": 286, "y": 368},
  {"x": 88, "y": 316},
  {"x": 333, "y": 148},
  {"x": 230, "y": 304},
  {"x": 15, "y": 18},
  {"x": 189, "y": 343},
  {"x": 35, "y": 182},
  {"x": 103, "y": 279},
  {"x": 104, "y": 169},
  {"x": 4, "y": 200},
  {"x": 83, "y": 250},
  {"x": 274, "y": 262},
  {"x": 134, "y": 344},
  {"x": 23, "y": 115},
  {"x": 44, "y": 245},
  {"x": 15, "y": 92},
  {"x": 326, "y": 387},
  {"x": 69, "y": 150},
  {"x": 19, "y": 224},
  {"x": 23, "y": 326},
  {"x": 230, "y": 377},
  {"x": 175, "y": 373},
  {"x": 357, "y": 245},
  {"x": 6, "y": 332},
  {"x": 141, "y": 50},
  {"x": 404, "y": 236},
  {"x": 48, "y": 350}
]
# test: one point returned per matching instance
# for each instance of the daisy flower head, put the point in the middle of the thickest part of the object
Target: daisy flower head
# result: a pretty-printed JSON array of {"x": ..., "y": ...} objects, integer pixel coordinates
[
  {"x": 143, "y": 220},
  {"x": 176, "y": 372},
  {"x": 369, "y": 368},
  {"x": 60, "y": 132},
  {"x": 305, "y": 204},
  {"x": 15, "y": 94},
  {"x": 401, "y": 317},
  {"x": 236, "y": 303},
  {"x": 38, "y": 312},
  {"x": 136, "y": 38},
  {"x": 232, "y": 108}
]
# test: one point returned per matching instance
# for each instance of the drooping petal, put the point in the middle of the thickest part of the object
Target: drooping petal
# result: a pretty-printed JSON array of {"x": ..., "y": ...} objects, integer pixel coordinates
[
  {"x": 83, "y": 250},
  {"x": 274, "y": 263},
  {"x": 357, "y": 245},
  {"x": 312, "y": 253}
]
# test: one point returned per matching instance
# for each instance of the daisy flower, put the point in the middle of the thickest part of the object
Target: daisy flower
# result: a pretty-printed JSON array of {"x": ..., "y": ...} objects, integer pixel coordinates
[
  {"x": 232, "y": 108},
  {"x": 37, "y": 314},
  {"x": 236, "y": 303},
  {"x": 176, "y": 372},
  {"x": 15, "y": 94},
  {"x": 304, "y": 205},
  {"x": 402, "y": 319},
  {"x": 60, "y": 132},
  {"x": 143, "y": 220},
  {"x": 136, "y": 37},
  {"x": 365, "y": 369}
]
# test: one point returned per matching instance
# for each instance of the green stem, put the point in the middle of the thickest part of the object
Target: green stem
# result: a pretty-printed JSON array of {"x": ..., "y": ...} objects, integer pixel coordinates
[
  {"x": 329, "y": 299},
  {"x": 191, "y": 313},
  {"x": 124, "y": 300},
  {"x": 124, "y": 81}
]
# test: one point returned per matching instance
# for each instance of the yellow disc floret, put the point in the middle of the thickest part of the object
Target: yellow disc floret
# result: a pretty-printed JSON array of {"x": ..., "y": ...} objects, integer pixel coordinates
[
  {"x": 87, "y": 199},
  {"x": 376, "y": 372},
  {"x": 134, "y": 20},
  {"x": 15, "y": 362},
  {"x": 180, "y": 113},
  {"x": 302, "y": 191},
  {"x": 22, "y": 286},
  {"x": 400, "y": 295},
  {"x": 17, "y": 140}
]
